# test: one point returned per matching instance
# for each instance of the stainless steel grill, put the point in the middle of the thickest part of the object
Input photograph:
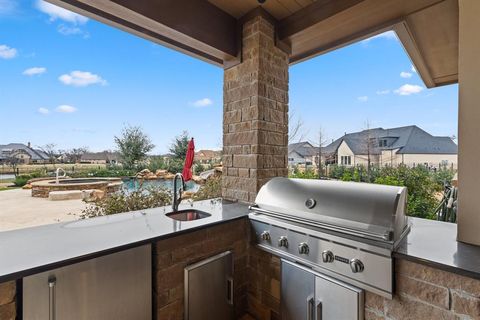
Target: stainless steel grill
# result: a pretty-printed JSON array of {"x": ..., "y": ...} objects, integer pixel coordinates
[{"x": 345, "y": 230}]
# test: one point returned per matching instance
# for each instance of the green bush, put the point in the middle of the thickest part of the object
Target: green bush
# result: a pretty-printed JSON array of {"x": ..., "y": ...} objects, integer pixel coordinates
[
  {"x": 128, "y": 201},
  {"x": 22, "y": 180},
  {"x": 211, "y": 189},
  {"x": 307, "y": 174}
]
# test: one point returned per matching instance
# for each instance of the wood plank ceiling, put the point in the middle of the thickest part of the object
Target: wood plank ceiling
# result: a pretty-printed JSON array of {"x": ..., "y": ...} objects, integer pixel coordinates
[{"x": 207, "y": 29}]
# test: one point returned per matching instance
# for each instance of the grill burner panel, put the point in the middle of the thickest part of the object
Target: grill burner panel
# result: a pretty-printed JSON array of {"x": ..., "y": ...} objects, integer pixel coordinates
[{"x": 309, "y": 222}]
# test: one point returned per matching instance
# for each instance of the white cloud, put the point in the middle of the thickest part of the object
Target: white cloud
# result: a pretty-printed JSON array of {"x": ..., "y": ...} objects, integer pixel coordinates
[
  {"x": 363, "y": 98},
  {"x": 35, "y": 70},
  {"x": 405, "y": 74},
  {"x": 65, "y": 109},
  {"x": 70, "y": 31},
  {"x": 382, "y": 92},
  {"x": 81, "y": 79},
  {"x": 43, "y": 110},
  {"x": 7, "y": 7},
  {"x": 413, "y": 69},
  {"x": 408, "y": 89},
  {"x": 202, "y": 102},
  {"x": 56, "y": 12},
  {"x": 389, "y": 35},
  {"x": 7, "y": 53}
]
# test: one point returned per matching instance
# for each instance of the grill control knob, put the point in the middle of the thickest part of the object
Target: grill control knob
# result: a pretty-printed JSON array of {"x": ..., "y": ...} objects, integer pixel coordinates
[
  {"x": 356, "y": 265},
  {"x": 327, "y": 256},
  {"x": 283, "y": 242},
  {"x": 265, "y": 235},
  {"x": 303, "y": 248}
]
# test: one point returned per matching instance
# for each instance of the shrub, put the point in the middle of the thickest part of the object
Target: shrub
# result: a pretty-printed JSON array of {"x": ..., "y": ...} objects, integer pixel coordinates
[
  {"x": 22, "y": 180},
  {"x": 211, "y": 189},
  {"x": 307, "y": 174},
  {"x": 128, "y": 201}
]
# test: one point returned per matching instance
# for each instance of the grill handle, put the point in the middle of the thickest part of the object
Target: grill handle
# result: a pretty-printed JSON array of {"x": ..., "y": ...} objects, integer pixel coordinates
[{"x": 355, "y": 232}]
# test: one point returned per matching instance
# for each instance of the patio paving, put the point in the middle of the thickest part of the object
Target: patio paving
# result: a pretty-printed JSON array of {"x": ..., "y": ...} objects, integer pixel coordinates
[{"x": 18, "y": 209}]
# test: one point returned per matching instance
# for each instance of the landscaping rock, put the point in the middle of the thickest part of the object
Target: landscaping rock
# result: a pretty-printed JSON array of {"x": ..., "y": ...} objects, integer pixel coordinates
[
  {"x": 161, "y": 173},
  {"x": 93, "y": 195}
]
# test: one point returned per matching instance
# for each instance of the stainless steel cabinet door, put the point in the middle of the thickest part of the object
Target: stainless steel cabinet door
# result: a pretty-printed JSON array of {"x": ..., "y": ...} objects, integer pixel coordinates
[
  {"x": 209, "y": 288},
  {"x": 335, "y": 300},
  {"x": 117, "y": 286},
  {"x": 298, "y": 290}
]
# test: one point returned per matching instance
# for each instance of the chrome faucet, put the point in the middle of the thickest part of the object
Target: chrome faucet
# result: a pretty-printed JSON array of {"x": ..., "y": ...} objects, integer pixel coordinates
[
  {"x": 177, "y": 198},
  {"x": 57, "y": 175}
]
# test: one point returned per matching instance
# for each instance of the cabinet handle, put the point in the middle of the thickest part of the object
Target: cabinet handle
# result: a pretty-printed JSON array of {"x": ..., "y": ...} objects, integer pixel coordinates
[
  {"x": 319, "y": 310},
  {"x": 310, "y": 308},
  {"x": 52, "y": 282},
  {"x": 230, "y": 291}
]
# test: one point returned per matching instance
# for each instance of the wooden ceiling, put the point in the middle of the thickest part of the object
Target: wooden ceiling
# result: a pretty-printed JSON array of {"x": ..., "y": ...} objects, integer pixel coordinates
[
  {"x": 208, "y": 29},
  {"x": 279, "y": 9}
]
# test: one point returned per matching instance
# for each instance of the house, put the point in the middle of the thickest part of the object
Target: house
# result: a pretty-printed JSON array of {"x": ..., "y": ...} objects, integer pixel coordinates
[
  {"x": 409, "y": 145},
  {"x": 22, "y": 154},
  {"x": 104, "y": 157},
  {"x": 301, "y": 153},
  {"x": 208, "y": 156}
]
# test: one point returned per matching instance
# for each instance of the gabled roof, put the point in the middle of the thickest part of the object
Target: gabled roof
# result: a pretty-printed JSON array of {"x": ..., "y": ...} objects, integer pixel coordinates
[
  {"x": 34, "y": 154},
  {"x": 104, "y": 155},
  {"x": 304, "y": 149},
  {"x": 408, "y": 140}
]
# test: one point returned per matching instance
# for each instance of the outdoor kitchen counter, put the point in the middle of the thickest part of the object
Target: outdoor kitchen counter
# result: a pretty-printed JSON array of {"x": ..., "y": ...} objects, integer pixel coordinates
[
  {"x": 434, "y": 243},
  {"x": 32, "y": 250}
]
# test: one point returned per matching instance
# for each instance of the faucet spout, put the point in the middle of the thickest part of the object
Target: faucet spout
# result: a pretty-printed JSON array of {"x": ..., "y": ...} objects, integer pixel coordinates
[{"x": 177, "y": 192}]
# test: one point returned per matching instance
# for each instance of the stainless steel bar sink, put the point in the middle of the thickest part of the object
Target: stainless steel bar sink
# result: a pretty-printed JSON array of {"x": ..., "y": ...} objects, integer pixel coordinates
[{"x": 188, "y": 215}]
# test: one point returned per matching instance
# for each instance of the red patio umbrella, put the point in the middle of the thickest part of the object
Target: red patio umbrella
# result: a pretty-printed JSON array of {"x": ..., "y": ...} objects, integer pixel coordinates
[{"x": 187, "y": 167}]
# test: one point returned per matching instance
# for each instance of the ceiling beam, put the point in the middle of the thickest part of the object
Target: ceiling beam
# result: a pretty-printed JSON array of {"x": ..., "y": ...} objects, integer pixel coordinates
[
  {"x": 197, "y": 28},
  {"x": 316, "y": 12}
]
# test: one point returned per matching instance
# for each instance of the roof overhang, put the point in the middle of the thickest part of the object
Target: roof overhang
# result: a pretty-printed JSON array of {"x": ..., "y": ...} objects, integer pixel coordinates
[{"x": 210, "y": 30}]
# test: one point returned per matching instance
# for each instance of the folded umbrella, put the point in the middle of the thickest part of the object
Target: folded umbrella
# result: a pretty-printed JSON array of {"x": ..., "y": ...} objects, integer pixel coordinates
[{"x": 187, "y": 167}]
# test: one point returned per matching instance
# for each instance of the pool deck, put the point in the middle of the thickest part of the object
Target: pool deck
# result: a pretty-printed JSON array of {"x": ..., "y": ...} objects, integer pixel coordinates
[{"x": 18, "y": 209}]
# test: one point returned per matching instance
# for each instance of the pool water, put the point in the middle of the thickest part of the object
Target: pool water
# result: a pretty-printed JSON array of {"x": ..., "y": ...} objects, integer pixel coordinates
[{"x": 134, "y": 184}]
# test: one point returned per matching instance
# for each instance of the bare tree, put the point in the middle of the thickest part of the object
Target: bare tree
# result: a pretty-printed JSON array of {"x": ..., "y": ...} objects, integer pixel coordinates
[
  {"x": 75, "y": 154},
  {"x": 50, "y": 151},
  {"x": 321, "y": 142},
  {"x": 370, "y": 145},
  {"x": 296, "y": 131}
]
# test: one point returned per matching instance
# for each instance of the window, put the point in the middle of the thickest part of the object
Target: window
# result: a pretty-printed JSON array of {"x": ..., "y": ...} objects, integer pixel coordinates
[
  {"x": 346, "y": 160},
  {"x": 290, "y": 159},
  {"x": 382, "y": 143}
]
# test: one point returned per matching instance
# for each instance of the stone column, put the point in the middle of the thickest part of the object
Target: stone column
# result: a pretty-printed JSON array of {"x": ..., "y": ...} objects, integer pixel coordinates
[
  {"x": 255, "y": 114},
  {"x": 468, "y": 122}
]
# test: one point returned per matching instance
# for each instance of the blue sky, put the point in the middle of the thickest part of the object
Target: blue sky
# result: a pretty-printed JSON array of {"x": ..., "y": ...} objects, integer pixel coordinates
[{"x": 72, "y": 81}]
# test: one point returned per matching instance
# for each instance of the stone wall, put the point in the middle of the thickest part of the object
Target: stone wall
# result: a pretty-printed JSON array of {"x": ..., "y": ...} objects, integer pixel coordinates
[
  {"x": 423, "y": 292},
  {"x": 263, "y": 298},
  {"x": 7, "y": 301},
  {"x": 172, "y": 255},
  {"x": 255, "y": 114}
]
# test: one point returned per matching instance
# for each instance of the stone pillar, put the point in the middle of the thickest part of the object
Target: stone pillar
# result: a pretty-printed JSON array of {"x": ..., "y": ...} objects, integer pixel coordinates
[
  {"x": 255, "y": 114},
  {"x": 468, "y": 122}
]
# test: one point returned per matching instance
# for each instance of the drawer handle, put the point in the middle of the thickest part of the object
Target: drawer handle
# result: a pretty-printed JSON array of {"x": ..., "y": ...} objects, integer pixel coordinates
[
  {"x": 230, "y": 291},
  {"x": 52, "y": 282}
]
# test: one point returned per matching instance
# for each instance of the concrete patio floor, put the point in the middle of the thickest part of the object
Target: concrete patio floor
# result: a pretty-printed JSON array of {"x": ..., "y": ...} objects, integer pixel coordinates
[{"x": 18, "y": 209}]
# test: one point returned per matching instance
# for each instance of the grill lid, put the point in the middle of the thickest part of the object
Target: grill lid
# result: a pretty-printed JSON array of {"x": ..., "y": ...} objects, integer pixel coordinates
[{"x": 360, "y": 209}]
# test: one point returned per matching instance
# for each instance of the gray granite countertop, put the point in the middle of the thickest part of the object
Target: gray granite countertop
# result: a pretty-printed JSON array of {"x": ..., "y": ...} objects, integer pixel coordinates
[
  {"x": 28, "y": 251},
  {"x": 434, "y": 243}
]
